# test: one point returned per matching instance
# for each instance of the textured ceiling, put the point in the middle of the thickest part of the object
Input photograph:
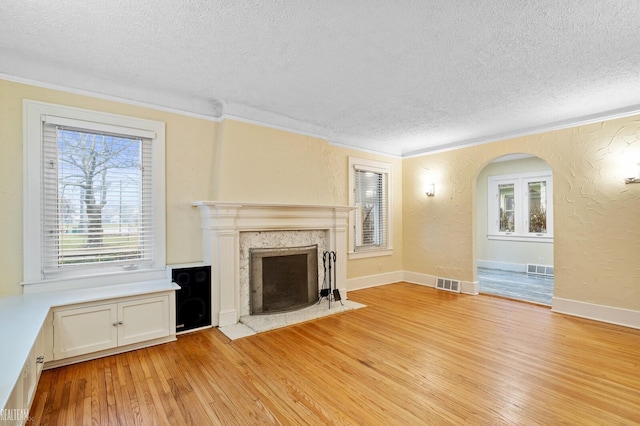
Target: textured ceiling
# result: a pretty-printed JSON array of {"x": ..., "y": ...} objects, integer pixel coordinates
[{"x": 397, "y": 77}]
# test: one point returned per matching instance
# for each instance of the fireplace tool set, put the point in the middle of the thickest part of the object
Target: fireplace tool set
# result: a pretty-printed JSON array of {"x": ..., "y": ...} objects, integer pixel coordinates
[{"x": 330, "y": 283}]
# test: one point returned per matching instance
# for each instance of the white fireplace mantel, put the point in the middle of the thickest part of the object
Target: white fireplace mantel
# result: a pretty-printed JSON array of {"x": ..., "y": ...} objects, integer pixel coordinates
[{"x": 222, "y": 223}]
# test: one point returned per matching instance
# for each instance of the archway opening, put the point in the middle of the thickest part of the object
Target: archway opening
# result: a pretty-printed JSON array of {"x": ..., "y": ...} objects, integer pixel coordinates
[{"x": 514, "y": 228}]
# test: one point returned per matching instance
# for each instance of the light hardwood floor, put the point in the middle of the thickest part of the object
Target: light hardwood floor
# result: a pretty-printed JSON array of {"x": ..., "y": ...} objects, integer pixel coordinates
[{"x": 414, "y": 356}]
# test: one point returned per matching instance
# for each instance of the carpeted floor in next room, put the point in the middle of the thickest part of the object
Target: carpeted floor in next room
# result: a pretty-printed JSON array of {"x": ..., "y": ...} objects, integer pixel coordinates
[{"x": 516, "y": 285}]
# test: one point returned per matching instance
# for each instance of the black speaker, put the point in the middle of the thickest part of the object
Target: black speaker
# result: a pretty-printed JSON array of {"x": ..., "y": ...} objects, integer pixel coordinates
[{"x": 193, "y": 300}]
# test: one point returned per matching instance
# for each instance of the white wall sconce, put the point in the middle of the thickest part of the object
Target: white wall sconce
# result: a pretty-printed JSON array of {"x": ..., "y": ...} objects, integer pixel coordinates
[
  {"x": 633, "y": 175},
  {"x": 430, "y": 190}
]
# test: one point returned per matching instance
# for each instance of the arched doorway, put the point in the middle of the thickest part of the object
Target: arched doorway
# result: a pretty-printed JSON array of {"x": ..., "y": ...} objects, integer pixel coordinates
[{"x": 514, "y": 228}]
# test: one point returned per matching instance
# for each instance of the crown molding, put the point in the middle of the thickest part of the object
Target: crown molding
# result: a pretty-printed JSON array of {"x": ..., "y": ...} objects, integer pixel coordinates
[
  {"x": 82, "y": 92},
  {"x": 550, "y": 127},
  {"x": 299, "y": 128}
]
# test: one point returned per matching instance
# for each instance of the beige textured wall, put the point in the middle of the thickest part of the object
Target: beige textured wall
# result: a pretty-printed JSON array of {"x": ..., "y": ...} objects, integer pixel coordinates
[
  {"x": 229, "y": 161},
  {"x": 190, "y": 148},
  {"x": 260, "y": 164},
  {"x": 519, "y": 252},
  {"x": 597, "y": 231}
]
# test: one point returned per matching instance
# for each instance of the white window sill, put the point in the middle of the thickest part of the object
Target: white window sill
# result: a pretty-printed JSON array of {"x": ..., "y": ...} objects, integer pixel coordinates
[
  {"x": 93, "y": 281},
  {"x": 370, "y": 253},
  {"x": 518, "y": 237}
]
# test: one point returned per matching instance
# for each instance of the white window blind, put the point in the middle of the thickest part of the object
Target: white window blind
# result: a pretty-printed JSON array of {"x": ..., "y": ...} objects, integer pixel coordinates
[
  {"x": 97, "y": 198},
  {"x": 371, "y": 201}
]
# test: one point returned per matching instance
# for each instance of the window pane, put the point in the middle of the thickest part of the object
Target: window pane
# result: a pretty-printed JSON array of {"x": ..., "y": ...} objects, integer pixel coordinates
[
  {"x": 370, "y": 203},
  {"x": 99, "y": 199},
  {"x": 507, "y": 207},
  {"x": 538, "y": 207}
]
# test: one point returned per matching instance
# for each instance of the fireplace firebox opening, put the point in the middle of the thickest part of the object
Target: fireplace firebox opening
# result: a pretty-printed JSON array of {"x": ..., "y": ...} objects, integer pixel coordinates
[{"x": 282, "y": 279}]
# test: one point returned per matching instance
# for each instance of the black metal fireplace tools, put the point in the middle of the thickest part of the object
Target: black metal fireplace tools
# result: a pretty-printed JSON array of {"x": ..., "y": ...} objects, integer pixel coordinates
[{"x": 329, "y": 283}]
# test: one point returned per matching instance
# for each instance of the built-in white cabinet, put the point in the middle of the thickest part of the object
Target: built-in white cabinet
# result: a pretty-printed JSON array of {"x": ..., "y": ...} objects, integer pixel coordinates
[
  {"x": 21, "y": 397},
  {"x": 48, "y": 330},
  {"x": 144, "y": 319},
  {"x": 33, "y": 368},
  {"x": 99, "y": 326},
  {"x": 78, "y": 331}
]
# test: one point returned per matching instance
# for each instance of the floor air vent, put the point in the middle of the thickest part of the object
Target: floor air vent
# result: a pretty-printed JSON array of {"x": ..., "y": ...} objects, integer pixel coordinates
[
  {"x": 540, "y": 270},
  {"x": 447, "y": 284}
]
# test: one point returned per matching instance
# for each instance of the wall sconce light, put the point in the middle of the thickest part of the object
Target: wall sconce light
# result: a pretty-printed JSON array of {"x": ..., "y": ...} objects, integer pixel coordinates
[
  {"x": 431, "y": 190},
  {"x": 633, "y": 176}
]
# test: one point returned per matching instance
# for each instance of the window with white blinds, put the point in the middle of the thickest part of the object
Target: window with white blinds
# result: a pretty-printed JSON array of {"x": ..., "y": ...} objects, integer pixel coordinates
[
  {"x": 370, "y": 195},
  {"x": 97, "y": 206},
  {"x": 94, "y": 196},
  {"x": 371, "y": 209}
]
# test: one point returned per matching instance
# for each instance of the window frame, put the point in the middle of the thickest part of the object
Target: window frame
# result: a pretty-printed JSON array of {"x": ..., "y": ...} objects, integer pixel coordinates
[
  {"x": 374, "y": 166},
  {"x": 520, "y": 183},
  {"x": 34, "y": 114}
]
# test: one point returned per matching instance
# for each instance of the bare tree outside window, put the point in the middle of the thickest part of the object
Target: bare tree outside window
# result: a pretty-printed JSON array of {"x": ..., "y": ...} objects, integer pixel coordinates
[{"x": 99, "y": 194}]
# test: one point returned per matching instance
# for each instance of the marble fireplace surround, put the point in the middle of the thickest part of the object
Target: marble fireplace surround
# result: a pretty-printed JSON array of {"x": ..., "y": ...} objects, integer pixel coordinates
[{"x": 229, "y": 228}]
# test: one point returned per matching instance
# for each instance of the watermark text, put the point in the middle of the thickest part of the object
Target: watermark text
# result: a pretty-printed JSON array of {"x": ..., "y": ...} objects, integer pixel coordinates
[{"x": 14, "y": 415}]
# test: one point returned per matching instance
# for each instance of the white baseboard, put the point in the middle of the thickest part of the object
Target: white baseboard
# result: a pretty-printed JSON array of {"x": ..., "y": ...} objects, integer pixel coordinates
[
  {"x": 608, "y": 314},
  {"x": 417, "y": 278},
  {"x": 192, "y": 330},
  {"x": 503, "y": 266},
  {"x": 374, "y": 280},
  {"x": 468, "y": 287}
]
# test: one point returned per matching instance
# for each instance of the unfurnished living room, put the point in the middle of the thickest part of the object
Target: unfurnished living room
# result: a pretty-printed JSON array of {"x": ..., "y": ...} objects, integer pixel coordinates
[{"x": 319, "y": 212}]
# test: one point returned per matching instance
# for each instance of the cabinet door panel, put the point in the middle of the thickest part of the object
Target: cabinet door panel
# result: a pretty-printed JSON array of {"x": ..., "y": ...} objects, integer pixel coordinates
[
  {"x": 39, "y": 353},
  {"x": 143, "y": 319},
  {"x": 16, "y": 399},
  {"x": 84, "y": 330}
]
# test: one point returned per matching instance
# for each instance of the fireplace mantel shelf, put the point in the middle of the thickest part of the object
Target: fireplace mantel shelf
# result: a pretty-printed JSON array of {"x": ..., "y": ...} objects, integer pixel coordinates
[{"x": 235, "y": 204}]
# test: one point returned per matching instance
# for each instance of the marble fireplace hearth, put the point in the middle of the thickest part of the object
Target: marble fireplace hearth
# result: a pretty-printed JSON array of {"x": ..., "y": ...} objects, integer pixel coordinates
[
  {"x": 228, "y": 231},
  {"x": 253, "y": 324}
]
